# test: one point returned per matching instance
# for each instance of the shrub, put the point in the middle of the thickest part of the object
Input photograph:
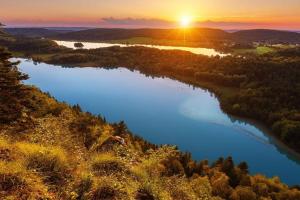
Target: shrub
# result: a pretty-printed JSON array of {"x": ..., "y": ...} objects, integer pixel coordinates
[
  {"x": 261, "y": 189},
  {"x": 17, "y": 183},
  {"x": 154, "y": 187},
  {"x": 172, "y": 167},
  {"x": 11, "y": 177},
  {"x": 5, "y": 151},
  {"x": 201, "y": 187},
  {"x": 143, "y": 194},
  {"x": 107, "y": 189},
  {"x": 242, "y": 193},
  {"x": 88, "y": 128},
  {"x": 220, "y": 185},
  {"x": 179, "y": 188},
  {"x": 50, "y": 162},
  {"x": 107, "y": 163},
  {"x": 84, "y": 186}
]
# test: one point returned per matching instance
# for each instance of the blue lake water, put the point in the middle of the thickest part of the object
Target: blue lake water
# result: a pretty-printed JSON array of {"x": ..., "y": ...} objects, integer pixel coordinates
[{"x": 165, "y": 111}]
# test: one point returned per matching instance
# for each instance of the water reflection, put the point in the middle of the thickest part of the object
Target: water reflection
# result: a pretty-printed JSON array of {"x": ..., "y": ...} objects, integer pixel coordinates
[
  {"x": 95, "y": 45},
  {"x": 165, "y": 111}
]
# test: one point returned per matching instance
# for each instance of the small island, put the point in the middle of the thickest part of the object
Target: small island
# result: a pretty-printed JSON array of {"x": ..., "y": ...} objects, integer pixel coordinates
[{"x": 78, "y": 45}]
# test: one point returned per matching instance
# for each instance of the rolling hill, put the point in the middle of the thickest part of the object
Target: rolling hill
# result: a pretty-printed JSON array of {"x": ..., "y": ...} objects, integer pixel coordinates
[
  {"x": 30, "y": 32},
  {"x": 192, "y": 35},
  {"x": 197, "y": 34},
  {"x": 40, "y": 32},
  {"x": 264, "y": 35}
]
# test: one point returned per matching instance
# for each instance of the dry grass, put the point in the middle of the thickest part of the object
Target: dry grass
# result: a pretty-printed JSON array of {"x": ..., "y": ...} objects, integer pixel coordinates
[
  {"x": 107, "y": 163},
  {"x": 18, "y": 183},
  {"x": 108, "y": 188},
  {"x": 50, "y": 162}
]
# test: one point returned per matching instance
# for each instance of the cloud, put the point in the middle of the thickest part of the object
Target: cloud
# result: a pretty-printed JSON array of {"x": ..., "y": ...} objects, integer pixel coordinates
[
  {"x": 135, "y": 23},
  {"x": 226, "y": 25}
]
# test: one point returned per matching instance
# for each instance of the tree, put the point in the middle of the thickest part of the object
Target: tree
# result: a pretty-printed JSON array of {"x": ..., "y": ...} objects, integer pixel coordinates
[
  {"x": 12, "y": 92},
  {"x": 244, "y": 167}
]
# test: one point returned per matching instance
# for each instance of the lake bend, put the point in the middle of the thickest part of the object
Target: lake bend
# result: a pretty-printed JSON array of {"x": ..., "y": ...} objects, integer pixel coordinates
[{"x": 166, "y": 111}]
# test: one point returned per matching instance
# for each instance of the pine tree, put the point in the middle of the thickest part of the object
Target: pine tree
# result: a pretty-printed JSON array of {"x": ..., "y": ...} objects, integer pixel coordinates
[{"x": 12, "y": 92}]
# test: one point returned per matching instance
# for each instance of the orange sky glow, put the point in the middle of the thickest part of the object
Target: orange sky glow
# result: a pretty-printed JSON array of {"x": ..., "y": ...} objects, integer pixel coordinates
[{"x": 231, "y": 14}]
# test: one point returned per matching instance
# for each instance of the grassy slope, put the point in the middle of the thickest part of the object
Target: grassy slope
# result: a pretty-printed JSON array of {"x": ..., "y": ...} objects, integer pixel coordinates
[
  {"x": 260, "y": 50},
  {"x": 50, "y": 159},
  {"x": 57, "y": 152}
]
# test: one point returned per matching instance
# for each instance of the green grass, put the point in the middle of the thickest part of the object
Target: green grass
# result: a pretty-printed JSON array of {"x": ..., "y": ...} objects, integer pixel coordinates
[
  {"x": 264, "y": 50},
  {"x": 260, "y": 50}
]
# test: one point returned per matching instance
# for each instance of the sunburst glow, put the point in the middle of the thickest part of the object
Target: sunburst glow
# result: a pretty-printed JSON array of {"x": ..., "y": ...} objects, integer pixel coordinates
[{"x": 185, "y": 21}]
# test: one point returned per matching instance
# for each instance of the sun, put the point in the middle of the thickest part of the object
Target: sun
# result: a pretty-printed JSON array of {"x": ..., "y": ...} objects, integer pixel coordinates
[{"x": 185, "y": 21}]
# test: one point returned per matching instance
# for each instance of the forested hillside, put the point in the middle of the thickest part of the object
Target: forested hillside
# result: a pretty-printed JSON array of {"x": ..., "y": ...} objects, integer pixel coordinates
[
  {"x": 194, "y": 34},
  {"x": 267, "y": 36},
  {"x": 49, "y": 150},
  {"x": 200, "y": 35},
  {"x": 40, "y": 32},
  {"x": 31, "y": 32}
]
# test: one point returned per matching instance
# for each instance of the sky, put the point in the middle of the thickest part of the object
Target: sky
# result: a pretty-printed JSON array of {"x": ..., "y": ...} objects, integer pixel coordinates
[{"x": 226, "y": 14}]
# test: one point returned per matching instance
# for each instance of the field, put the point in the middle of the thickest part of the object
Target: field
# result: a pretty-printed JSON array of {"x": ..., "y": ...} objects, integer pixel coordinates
[{"x": 260, "y": 50}]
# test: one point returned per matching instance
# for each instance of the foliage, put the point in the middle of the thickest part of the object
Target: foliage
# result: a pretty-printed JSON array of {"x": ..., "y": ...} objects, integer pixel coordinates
[
  {"x": 200, "y": 36},
  {"x": 107, "y": 163},
  {"x": 17, "y": 183},
  {"x": 12, "y": 92},
  {"x": 50, "y": 162},
  {"x": 264, "y": 88},
  {"x": 61, "y": 155}
]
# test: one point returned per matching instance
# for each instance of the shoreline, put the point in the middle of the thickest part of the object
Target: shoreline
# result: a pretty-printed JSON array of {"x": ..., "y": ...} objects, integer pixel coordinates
[
  {"x": 212, "y": 88},
  {"x": 128, "y": 42},
  {"x": 197, "y": 50}
]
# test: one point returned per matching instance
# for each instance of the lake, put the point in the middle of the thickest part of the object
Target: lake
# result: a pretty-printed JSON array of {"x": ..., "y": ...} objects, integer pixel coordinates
[
  {"x": 95, "y": 45},
  {"x": 165, "y": 111}
]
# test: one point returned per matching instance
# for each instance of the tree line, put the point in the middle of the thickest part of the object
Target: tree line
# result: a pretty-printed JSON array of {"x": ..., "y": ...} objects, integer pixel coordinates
[{"x": 264, "y": 87}]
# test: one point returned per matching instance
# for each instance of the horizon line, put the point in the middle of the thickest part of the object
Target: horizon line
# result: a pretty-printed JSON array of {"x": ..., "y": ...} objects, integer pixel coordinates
[{"x": 195, "y": 27}]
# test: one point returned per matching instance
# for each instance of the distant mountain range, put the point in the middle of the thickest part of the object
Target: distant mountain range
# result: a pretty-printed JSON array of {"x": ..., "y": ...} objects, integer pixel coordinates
[
  {"x": 35, "y": 32},
  {"x": 193, "y": 35},
  {"x": 272, "y": 36}
]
